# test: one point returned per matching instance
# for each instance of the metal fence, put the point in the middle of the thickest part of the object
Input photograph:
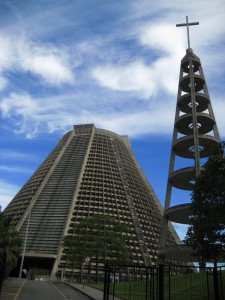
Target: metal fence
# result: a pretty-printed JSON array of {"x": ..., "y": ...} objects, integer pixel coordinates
[
  {"x": 131, "y": 283},
  {"x": 164, "y": 283}
]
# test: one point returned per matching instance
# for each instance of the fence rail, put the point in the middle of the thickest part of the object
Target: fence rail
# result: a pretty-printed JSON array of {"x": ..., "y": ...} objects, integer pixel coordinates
[{"x": 164, "y": 283}]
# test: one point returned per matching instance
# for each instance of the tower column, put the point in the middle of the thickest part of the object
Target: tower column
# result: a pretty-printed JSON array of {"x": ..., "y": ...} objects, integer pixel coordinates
[{"x": 194, "y": 115}]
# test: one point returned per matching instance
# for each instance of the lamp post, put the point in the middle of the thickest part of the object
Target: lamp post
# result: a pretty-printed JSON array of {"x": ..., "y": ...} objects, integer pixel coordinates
[{"x": 24, "y": 246}]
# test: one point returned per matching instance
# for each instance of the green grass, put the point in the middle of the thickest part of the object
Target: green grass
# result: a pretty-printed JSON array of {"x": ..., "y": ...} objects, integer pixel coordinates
[{"x": 187, "y": 287}]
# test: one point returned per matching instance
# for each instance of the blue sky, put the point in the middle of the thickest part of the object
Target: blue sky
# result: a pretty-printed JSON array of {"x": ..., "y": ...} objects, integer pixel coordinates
[{"x": 111, "y": 63}]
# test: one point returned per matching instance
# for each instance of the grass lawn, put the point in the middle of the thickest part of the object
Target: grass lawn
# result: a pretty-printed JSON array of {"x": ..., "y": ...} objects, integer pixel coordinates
[{"x": 180, "y": 287}]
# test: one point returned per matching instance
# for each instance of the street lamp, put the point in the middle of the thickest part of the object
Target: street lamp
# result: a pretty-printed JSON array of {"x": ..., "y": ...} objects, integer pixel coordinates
[{"x": 24, "y": 247}]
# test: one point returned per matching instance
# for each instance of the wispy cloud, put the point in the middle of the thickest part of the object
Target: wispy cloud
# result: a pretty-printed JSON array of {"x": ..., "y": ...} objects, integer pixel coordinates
[
  {"x": 34, "y": 115},
  {"x": 219, "y": 109},
  {"x": 134, "y": 77},
  {"x": 52, "y": 114},
  {"x": 147, "y": 79},
  {"x": 12, "y": 155},
  {"x": 7, "y": 192},
  {"x": 152, "y": 121},
  {"x": 46, "y": 61},
  {"x": 15, "y": 169},
  {"x": 126, "y": 74}
]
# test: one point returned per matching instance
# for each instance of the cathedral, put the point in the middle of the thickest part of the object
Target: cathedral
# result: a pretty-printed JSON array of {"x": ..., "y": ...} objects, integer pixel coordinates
[{"x": 90, "y": 172}]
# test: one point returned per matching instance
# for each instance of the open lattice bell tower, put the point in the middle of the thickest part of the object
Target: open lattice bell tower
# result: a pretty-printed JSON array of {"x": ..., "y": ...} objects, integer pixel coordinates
[{"x": 195, "y": 135}]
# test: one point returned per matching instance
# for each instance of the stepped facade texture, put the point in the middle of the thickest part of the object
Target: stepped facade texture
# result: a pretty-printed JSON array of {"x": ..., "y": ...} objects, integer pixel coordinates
[{"x": 90, "y": 172}]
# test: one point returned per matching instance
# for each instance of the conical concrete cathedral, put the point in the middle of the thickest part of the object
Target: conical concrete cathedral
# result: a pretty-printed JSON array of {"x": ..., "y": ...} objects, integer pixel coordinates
[{"x": 90, "y": 172}]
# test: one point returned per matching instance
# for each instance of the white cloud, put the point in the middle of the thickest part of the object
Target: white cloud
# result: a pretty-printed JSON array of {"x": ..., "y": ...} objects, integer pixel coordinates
[
  {"x": 133, "y": 118},
  {"x": 6, "y": 59},
  {"x": 121, "y": 106},
  {"x": 163, "y": 37},
  {"x": 133, "y": 77},
  {"x": 152, "y": 120},
  {"x": 219, "y": 109},
  {"x": 15, "y": 169},
  {"x": 7, "y": 192},
  {"x": 12, "y": 155},
  {"x": 55, "y": 115},
  {"x": 32, "y": 115},
  {"x": 3, "y": 83},
  {"x": 155, "y": 79},
  {"x": 24, "y": 112},
  {"x": 7, "y": 52},
  {"x": 18, "y": 104},
  {"x": 144, "y": 79},
  {"x": 44, "y": 60}
]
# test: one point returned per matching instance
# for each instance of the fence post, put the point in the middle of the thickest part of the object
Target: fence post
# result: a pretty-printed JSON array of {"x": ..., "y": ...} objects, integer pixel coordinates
[
  {"x": 207, "y": 274},
  {"x": 215, "y": 283},
  {"x": 146, "y": 283},
  {"x": 106, "y": 282},
  {"x": 221, "y": 283},
  {"x": 161, "y": 282}
]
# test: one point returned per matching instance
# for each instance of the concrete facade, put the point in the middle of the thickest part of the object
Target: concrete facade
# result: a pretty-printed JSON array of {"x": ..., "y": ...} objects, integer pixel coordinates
[{"x": 90, "y": 172}]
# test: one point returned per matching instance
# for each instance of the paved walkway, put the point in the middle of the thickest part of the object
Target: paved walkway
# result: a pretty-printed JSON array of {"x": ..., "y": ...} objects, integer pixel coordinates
[
  {"x": 12, "y": 287},
  {"x": 88, "y": 291}
]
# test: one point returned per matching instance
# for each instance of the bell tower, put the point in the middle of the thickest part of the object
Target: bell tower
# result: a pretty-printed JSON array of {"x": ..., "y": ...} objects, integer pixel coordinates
[{"x": 195, "y": 135}]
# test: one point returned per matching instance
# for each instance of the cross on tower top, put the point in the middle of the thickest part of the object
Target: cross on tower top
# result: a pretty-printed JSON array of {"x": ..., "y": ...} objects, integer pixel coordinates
[{"x": 187, "y": 24}]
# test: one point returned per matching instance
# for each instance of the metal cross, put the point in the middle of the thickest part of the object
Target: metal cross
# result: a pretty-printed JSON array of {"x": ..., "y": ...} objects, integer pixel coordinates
[{"x": 187, "y": 24}]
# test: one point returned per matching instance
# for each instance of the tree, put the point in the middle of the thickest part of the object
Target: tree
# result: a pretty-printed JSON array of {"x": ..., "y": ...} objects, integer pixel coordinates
[
  {"x": 10, "y": 244},
  {"x": 101, "y": 238},
  {"x": 206, "y": 233}
]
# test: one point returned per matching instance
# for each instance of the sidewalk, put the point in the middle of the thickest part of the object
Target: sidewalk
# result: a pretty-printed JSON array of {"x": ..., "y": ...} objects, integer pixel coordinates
[
  {"x": 11, "y": 288},
  {"x": 88, "y": 291}
]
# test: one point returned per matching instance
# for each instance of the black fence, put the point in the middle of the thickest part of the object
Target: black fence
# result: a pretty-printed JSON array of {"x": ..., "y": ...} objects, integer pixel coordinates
[
  {"x": 190, "y": 282},
  {"x": 131, "y": 283},
  {"x": 164, "y": 283}
]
